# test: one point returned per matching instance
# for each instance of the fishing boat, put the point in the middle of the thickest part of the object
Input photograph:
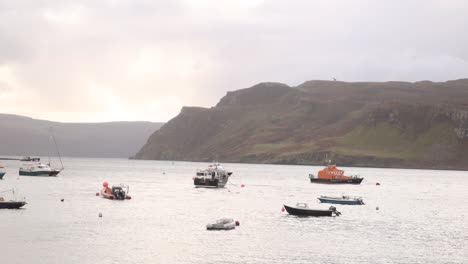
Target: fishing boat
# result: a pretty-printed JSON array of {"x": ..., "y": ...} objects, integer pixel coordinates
[
  {"x": 12, "y": 203},
  {"x": 222, "y": 224},
  {"x": 41, "y": 169},
  {"x": 2, "y": 172},
  {"x": 332, "y": 175},
  {"x": 117, "y": 192},
  {"x": 215, "y": 176},
  {"x": 302, "y": 209},
  {"x": 38, "y": 169},
  {"x": 341, "y": 200}
]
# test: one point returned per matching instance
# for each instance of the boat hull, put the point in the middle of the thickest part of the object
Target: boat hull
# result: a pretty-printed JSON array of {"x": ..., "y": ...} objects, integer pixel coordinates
[
  {"x": 11, "y": 205},
  {"x": 40, "y": 173},
  {"x": 2, "y": 174},
  {"x": 336, "y": 201},
  {"x": 209, "y": 183},
  {"x": 307, "y": 212},
  {"x": 337, "y": 181}
]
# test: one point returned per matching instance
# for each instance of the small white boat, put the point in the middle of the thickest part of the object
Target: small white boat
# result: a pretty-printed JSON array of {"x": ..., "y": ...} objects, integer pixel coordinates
[
  {"x": 222, "y": 224},
  {"x": 37, "y": 169},
  {"x": 215, "y": 176}
]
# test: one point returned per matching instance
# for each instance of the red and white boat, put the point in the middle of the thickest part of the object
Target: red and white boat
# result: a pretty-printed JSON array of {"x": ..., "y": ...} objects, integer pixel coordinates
[{"x": 117, "y": 192}]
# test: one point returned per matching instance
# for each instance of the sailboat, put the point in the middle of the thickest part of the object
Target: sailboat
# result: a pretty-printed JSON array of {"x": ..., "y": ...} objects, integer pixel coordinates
[
  {"x": 11, "y": 203},
  {"x": 41, "y": 169}
]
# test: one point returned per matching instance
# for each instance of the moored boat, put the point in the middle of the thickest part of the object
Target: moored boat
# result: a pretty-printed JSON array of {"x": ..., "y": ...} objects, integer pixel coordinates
[
  {"x": 11, "y": 203},
  {"x": 302, "y": 209},
  {"x": 38, "y": 169},
  {"x": 215, "y": 176},
  {"x": 222, "y": 224},
  {"x": 30, "y": 159},
  {"x": 341, "y": 200},
  {"x": 332, "y": 175},
  {"x": 117, "y": 192},
  {"x": 2, "y": 172}
]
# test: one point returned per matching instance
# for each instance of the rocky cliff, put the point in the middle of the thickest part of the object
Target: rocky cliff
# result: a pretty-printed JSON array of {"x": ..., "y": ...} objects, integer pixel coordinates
[{"x": 388, "y": 124}]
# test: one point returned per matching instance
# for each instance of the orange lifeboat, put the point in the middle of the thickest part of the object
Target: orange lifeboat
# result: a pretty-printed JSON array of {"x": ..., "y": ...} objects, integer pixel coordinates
[{"x": 332, "y": 175}]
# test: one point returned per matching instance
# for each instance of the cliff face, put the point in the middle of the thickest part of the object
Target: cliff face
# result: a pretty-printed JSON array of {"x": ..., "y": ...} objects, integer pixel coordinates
[{"x": 391, "y": 124}]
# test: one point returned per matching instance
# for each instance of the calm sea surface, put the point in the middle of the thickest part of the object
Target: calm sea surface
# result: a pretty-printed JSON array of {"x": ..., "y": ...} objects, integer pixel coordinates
[{"x": 422, "y": 216}]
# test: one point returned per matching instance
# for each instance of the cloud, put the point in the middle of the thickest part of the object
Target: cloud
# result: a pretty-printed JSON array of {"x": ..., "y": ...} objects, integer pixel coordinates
[{"x": 143, "y": 60}]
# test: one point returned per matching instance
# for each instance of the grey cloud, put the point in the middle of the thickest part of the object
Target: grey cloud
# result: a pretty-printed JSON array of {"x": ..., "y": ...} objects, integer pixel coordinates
[{"x": 148, "y": 58}]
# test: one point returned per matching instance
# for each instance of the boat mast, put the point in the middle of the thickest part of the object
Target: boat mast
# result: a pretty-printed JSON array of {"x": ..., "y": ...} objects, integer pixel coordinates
[{"x": 56, "y": 146}]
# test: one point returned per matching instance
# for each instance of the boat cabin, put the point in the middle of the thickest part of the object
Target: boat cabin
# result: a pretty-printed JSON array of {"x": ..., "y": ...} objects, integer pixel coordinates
[{"x": 332, "y": 172}]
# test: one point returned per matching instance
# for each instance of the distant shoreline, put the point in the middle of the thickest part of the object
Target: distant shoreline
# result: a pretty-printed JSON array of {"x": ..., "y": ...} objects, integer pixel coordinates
[{"x": 8, "y": 159}]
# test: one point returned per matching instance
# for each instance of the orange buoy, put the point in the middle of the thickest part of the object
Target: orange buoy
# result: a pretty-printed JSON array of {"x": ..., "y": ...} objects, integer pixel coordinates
[
  {"x": 237, "y": 223},
  {"x": 97, "y": 194},
  {"x": 242, "y": 185},
  {"x": 128, "y": 197},
  {"x": 377, "y": 183},
  {"x": 282, "y": 209}
]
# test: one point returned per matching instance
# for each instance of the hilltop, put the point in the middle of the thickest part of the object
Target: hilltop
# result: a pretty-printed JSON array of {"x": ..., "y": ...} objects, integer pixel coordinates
[
  {"x": 24, "y": 136},
  {"x": 379, "y": 124}
]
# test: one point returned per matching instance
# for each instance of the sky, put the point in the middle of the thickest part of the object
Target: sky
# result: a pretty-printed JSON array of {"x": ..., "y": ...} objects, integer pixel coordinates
[{"x": 126, "y": 60}]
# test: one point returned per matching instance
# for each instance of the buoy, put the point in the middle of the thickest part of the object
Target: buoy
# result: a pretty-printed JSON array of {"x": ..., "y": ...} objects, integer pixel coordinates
[
  {"x": 377, "y": 208},
  {"x": 377, "y": 183},
  {"x": 164, "y": 172},
  {"x": 105, "y": 184},
  {"x": 97, "y": 194},
  {"x": 100, "y": 214},
  {"x": 242, "y": 185},
  {"x": 237, "y": 223},
  {"x": 62, "y": 200},
  {"x": 282, "y": 209},
  {"x": 128, "y": 197}
]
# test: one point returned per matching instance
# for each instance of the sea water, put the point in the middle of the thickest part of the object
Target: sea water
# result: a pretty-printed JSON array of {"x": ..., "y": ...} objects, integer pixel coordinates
[{"x": 422, "y": 216}]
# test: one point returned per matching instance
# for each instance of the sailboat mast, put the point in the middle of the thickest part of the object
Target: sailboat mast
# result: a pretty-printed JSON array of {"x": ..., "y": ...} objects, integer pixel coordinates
[{"x": 56, "y": 147}]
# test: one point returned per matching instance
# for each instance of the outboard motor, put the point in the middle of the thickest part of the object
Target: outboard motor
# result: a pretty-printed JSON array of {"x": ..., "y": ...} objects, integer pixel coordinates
[
  {"x": 119, "y": 194},
  {"x": 333, "y": 209}
]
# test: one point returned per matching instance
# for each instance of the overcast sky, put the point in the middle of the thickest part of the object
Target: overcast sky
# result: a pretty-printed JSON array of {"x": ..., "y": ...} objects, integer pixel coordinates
[{"x": 90, "y": 60}]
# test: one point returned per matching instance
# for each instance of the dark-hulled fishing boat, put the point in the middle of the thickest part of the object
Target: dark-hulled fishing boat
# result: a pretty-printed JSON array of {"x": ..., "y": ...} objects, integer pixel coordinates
[
  {"x": 12, "y": 203},
  {"x": 215, "y": 176},
  {"x": 332, "y": 175},
  {"x": 302, "y": 209}
]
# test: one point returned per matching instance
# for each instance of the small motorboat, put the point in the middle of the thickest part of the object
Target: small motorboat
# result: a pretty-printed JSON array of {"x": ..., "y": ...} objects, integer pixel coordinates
[
  {"x": 117, "y": 192},
  {"x": 222, "y": 224},
  {"x": 302, "y": 209},
  {"x": 341, "y": 200},
  {"x": 215, "y": 176},
  {"x": 332, "y": 175},
  {"x": 12, "y": 203}
]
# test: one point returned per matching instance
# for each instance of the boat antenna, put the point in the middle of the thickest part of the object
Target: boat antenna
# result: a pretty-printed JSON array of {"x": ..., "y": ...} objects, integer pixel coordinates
[{"x": 56, "y": 146}]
